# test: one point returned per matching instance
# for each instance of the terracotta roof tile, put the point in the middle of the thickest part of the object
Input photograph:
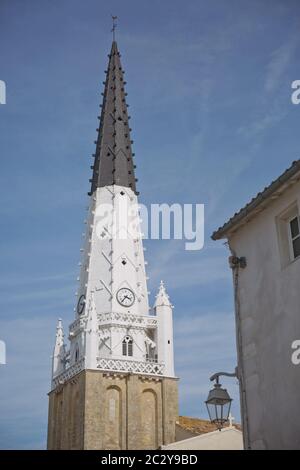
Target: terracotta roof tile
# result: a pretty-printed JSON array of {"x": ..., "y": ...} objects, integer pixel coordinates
[{"x": 199, "y": 426}]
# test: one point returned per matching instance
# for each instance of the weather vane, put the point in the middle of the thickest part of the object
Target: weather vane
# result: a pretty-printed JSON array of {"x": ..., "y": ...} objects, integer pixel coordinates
[{"x": 114, "y": 18}]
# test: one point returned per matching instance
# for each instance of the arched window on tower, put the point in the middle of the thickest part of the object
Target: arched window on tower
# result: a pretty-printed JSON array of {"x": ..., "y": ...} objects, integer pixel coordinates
[{"x": 127, "y": 346}]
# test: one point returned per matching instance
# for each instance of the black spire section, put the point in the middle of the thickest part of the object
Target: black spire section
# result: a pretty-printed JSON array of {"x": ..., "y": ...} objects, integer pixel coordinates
[{"x": 113, "y": 162}]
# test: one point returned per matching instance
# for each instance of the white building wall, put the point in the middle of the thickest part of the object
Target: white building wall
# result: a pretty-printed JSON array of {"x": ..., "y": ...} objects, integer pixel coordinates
[
  {"x": 226, "y": 439},
  {"x": 269, "y": 306}
]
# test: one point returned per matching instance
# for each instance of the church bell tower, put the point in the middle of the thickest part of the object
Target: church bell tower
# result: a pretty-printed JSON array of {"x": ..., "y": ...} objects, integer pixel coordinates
[{"x": 114, "y": 386}]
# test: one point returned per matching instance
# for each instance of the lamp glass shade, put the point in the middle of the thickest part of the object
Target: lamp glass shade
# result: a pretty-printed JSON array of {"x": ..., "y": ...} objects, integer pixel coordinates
[{"x": 218, "y": 405}]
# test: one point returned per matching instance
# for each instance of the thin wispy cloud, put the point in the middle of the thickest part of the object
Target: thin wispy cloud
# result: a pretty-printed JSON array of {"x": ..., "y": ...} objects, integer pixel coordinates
[
  {"x": 204, "y": 344},
  {"x": 263, "y": 123},
  {"x": 180, "y": 269},
  {"x": 278, "y": 64},
  {"x": 25, "y": 281}
]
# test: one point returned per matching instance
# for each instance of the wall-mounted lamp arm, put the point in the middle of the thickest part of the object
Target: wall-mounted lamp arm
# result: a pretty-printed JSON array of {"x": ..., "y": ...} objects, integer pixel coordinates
[{"x": 226, "y": 374}]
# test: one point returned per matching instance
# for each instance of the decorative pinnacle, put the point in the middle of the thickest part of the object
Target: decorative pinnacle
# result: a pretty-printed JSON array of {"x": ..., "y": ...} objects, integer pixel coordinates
[
  {"x": 162, "y": 297},
  {"x": 162, "y": 289},
  {"x": 59, "y": 334}
]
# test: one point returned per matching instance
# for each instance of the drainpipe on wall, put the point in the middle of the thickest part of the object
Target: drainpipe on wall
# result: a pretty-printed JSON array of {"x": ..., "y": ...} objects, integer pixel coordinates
[{"x": 236, "y": 264}]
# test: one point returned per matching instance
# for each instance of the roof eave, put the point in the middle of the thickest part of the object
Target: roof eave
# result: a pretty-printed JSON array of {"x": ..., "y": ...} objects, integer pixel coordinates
[{"x": 273, "y": 191}]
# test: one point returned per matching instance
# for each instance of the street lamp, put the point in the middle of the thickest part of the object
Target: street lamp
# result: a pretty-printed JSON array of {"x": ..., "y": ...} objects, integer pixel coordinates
[{"x": 218, "y": 402}]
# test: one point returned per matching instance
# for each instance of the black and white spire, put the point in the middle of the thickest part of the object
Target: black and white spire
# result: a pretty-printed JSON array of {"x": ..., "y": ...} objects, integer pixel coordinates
[
  {"x": 113, "y": 330},
  {"x": 113, "y": 163}
]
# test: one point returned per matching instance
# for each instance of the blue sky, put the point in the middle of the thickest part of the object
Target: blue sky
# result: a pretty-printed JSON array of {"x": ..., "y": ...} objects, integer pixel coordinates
[{"x": 209, "y": 86}]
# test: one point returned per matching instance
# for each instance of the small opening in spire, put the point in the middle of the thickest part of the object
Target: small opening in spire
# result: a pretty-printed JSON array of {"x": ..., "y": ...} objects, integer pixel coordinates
[{"x": 76, "y": 353}]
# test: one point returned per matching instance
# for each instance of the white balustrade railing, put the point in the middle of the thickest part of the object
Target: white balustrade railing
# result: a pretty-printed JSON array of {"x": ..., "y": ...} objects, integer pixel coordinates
[
  {"x": 138, "y": 367},
  {"x": 68, "y": 373},
  {"x": 116, "y": 318}
]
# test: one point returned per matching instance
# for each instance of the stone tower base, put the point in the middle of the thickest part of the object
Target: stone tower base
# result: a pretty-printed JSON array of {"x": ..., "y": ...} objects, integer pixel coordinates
[{"x": 107, "y": 410}]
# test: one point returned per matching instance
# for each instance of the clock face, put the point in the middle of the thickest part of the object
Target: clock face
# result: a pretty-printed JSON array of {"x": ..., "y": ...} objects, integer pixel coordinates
[
  {"x": 125, "y": 297},
  {"x": 81, "y": 304}
]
